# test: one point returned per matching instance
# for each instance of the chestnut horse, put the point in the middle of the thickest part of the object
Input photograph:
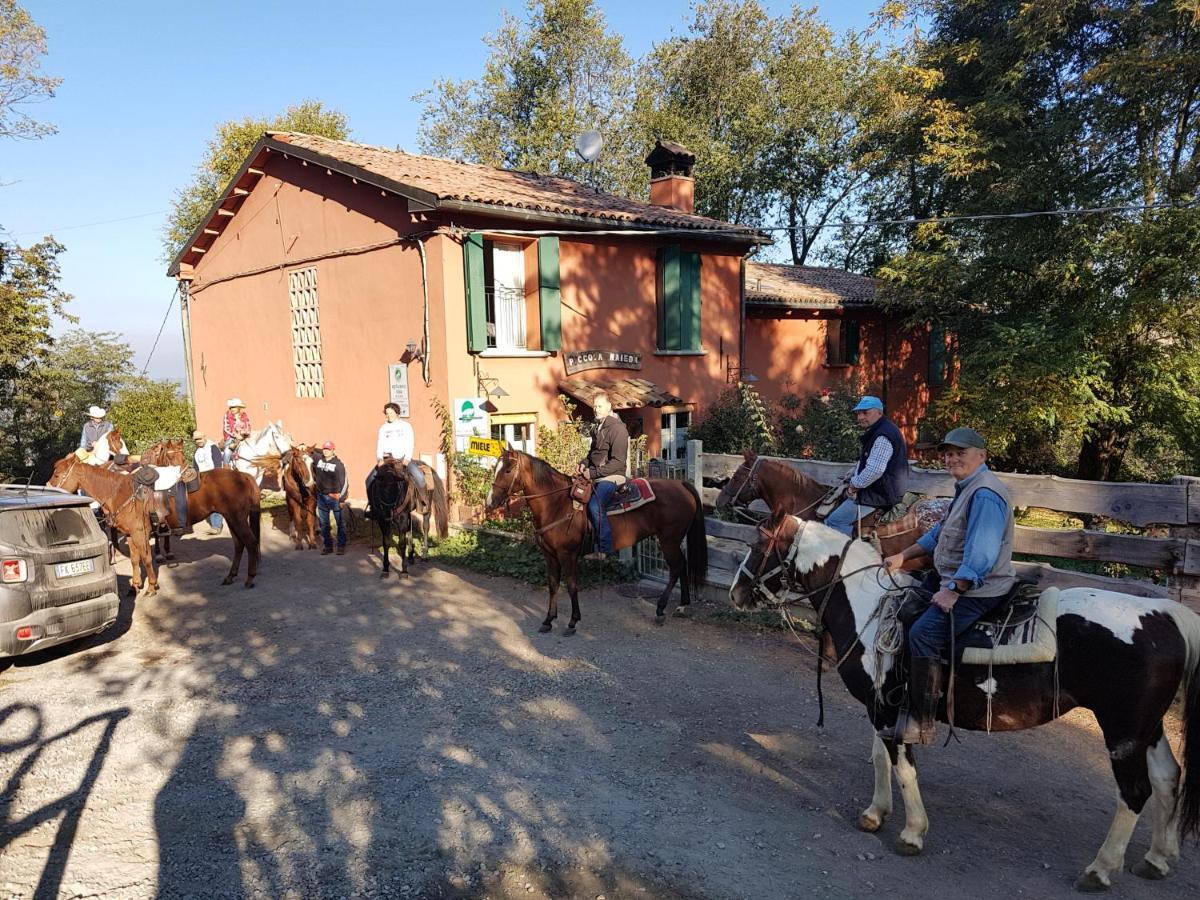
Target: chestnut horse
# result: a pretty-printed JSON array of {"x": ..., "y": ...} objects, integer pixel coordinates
[
  {"x": 296, "y": 480},
  {"x": 123, "y": 510},
  {"x": 788, "y": 491},
  {"x": 675, "y": 514},
  {"x": 1122, "y": 657}
]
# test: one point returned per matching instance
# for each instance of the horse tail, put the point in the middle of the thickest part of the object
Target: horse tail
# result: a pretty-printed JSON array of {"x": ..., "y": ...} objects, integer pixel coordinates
[
  {"x": 1189, "y": 800},
  {"x": 255, "y": 512},
  {"x": 697, "y": 544},
  {"x": 441, "y": 510}
]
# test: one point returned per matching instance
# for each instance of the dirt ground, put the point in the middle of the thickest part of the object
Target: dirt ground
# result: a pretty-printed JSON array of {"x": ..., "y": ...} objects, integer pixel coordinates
[{"x": 328, "y": 734}]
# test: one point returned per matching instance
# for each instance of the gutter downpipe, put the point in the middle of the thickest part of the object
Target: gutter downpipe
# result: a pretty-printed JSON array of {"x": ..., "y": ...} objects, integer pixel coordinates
[{"x": 185, "y": 316}]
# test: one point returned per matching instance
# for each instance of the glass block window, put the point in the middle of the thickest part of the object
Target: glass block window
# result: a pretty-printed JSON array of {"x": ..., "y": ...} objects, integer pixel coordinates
[{"x": 306, "y": 333}]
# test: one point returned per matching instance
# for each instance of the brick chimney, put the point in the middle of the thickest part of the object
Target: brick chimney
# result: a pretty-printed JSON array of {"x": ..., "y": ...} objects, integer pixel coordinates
[{"x": 671, "y": 183}]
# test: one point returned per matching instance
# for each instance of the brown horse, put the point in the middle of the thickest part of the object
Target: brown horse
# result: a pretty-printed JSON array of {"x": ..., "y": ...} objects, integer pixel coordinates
[
  {"x": 296, "y": 479},
  {"x": 123, "y": 509},
  {"x": 560, "y": 527},
  {"x": 790, "y": 492},
  {"x": 431, "y": 499}
]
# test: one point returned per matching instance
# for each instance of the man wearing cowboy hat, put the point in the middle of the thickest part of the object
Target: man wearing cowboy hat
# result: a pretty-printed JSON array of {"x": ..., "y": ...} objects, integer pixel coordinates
[
  {"x": 972, "y": 551},
  {"x": 96, "y": 427},
  {"x": 236, "y": 427},
  {"x": 881, "y": 476}
]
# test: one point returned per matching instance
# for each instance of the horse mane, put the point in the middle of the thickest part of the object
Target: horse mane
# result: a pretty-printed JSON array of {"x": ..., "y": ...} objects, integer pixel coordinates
[
  {"x": 545, "y": 476},
  {"x": 801, "y": 482}
]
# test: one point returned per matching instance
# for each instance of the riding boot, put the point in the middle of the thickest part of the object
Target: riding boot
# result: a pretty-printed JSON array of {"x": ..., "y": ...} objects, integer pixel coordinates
[{"x": 919, "y": 725}]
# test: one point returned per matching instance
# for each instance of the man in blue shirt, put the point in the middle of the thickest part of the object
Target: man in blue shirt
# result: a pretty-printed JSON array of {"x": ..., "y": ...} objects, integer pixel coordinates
[
  {"x": 973, "y": 572},
  {"x": 881, "y": 476}
]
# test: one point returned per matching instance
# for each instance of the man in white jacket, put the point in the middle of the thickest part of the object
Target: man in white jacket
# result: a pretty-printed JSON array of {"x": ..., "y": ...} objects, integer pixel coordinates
[
  {"x": 208, "y": 456},
  {"x": 396, "y": 441}
]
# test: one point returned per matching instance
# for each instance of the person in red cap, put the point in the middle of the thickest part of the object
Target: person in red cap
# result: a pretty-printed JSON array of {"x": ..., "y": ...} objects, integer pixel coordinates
[{"x": 329, "y": 475}]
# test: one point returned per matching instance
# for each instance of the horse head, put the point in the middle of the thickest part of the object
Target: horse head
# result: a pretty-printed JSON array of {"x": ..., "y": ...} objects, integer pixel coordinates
[
  {"x": 65, "y": 475},
  {"x": 505, "y": 480},
  {"x": 743, "y": 486},
  {"x": 764, "y": 562}
]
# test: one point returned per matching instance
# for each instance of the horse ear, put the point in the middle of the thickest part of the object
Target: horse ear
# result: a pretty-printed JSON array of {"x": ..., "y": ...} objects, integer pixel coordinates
[{"x": 749, "y": 454}]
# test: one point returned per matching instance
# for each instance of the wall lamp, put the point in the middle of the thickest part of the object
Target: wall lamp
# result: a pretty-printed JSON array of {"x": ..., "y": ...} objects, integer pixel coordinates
[
  {"x": 412, "y": 353},
  {"x": 735, "y": 374},
  {"x": 494, "y": 391}
]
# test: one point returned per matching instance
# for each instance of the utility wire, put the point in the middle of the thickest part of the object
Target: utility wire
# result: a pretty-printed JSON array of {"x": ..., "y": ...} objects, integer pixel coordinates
[
  {"x": 157, "y": 212},
  {"x": 170, "y": 305}
]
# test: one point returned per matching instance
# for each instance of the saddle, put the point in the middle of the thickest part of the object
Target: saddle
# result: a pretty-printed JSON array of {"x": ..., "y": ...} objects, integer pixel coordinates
[{"x": 629, "y": 496}]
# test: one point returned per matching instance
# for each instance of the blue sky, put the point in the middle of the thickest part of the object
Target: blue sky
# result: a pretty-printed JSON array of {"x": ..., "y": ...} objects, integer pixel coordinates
[{"x": 145, "y": 83}]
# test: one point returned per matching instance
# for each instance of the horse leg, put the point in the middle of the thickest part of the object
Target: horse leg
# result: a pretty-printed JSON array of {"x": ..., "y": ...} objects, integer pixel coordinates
[
  {"x": 553, "y": 576},
  {"x": 147, "y": 559},
  {"x": 425, "y": 531},
  {"x": 385, "y": 541},
  {"x": 676, "y": 565},
  {"x": 238, "y": 531},
  {"x": 135, "y": 568},
  {"x": 406, "y": 547},
  {"x": 916, "y": 822},
  {"x": 1164, "y": 842},
  {"x": 571, "y": 567},
  {"x": 295, "y": 522},
  {"x": 1131, "y": 768},
  {"x": 876, "y": 814}
]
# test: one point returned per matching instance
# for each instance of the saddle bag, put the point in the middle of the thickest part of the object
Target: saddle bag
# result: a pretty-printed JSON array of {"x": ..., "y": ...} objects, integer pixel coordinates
[
  {"x": 911, "y": 605},
  {"x": 581, "y": 490},
  {"x": 191, "y": 479}
]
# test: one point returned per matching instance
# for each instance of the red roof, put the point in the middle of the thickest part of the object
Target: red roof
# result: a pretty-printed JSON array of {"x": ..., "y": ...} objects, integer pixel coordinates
[{"x": 806, "y": 287}]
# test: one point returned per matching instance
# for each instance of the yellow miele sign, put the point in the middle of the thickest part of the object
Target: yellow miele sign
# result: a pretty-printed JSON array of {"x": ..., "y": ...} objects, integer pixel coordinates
[{"x": 485, "y": 446}]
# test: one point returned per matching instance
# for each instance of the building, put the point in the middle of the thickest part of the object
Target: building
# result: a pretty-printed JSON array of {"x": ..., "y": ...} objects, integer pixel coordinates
[
  {"x": 809, "y": 328},
  {"x": 331, "y": 276}
]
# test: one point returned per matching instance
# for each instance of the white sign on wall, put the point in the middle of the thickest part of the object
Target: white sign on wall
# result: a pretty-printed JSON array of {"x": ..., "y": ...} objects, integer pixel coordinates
[
  {"x": 470, "y": 420},
  {"x": 398, "y": 386}
]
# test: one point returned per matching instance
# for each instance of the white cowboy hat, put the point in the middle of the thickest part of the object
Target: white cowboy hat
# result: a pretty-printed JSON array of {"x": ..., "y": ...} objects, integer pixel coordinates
[
  {"x": 96, "y": 412},
  {"x": 235, "y": 402}
]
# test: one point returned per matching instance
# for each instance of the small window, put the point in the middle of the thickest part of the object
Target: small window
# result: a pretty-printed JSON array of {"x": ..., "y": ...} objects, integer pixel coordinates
[
  {"x": 678, "y": 303},
  {"x": 306, "y": 333},
  {"x": 674, "y": 435},
  {"x": 504, "y": 280},
  {"x": 841, "y": 342},
  {"x": 937, "y": 354},
  {"x": 517, "y": 433}
]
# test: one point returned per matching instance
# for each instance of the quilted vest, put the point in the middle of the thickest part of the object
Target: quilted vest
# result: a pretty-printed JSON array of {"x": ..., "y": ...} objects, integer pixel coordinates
[
  {"x": 888, "y": 489},
  {"x": 948, "y": 554}
]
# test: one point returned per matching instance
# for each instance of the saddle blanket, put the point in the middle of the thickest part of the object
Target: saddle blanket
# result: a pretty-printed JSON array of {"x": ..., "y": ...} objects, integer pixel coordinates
[
  {"x": 168, "y": 477},
  {"x": 1028, "y": 635},
  {"x": 633, "y": 493}
]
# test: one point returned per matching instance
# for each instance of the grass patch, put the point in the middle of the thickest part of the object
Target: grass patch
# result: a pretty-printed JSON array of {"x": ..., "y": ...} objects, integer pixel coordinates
[
  {"x": 758, "y": 619},
  {"x": 493, "y": 554}
]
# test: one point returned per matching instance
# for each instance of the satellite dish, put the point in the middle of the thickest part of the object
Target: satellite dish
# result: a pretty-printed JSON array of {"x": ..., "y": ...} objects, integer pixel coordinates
[{"x": 588, "y": 145}]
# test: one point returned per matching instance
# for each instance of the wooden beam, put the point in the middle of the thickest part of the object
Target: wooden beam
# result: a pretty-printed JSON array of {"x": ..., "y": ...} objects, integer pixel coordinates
[
  {"x": 240, "y": 192},
  {"x": 225, "y": 212},
  {"x": 1129, "y": 549},
  {"x": 196, "y": 249},
  {"x": 254, "y": 171},
  {"x": 1048, "y": 576},
  {"x": 212, "y": 231}
]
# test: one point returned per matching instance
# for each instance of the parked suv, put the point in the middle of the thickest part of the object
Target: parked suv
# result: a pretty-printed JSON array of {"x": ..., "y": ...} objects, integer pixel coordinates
[{"x": 56, "y": 582}]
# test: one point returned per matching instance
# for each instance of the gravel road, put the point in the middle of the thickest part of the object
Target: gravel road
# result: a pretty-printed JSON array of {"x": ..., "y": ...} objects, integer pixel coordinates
[{"x": 328, "y": 734}]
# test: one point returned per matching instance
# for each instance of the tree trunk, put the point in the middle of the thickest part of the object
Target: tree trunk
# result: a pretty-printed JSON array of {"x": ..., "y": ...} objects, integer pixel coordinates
[{"x": 1101, "y": 454}]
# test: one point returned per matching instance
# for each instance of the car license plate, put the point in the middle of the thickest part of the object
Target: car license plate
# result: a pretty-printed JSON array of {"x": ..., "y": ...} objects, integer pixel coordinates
[{"x": 78, "y": 567}]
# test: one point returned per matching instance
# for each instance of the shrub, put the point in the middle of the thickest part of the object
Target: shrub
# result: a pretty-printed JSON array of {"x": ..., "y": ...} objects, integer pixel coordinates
[
  {"x": 567, "y": 443},
  {"x": 820, "y": 426},
  {"x": 148, "y": 411},
  {"x": 737, "y": 421}
]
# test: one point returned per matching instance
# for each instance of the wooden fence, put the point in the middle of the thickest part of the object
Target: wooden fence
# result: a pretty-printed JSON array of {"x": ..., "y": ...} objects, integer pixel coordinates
[{"x": 1172, "y": 511}]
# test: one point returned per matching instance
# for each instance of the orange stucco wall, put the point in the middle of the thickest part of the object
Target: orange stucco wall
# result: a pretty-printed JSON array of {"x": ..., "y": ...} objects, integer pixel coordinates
[{"x": 788, "y": 356}]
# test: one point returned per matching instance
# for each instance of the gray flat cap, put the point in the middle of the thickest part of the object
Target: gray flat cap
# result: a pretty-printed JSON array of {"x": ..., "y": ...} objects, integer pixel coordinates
[{"x": 963, "y": 437}]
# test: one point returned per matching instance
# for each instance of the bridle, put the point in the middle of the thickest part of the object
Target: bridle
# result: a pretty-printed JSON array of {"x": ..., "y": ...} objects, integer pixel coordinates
[
  {"x": 508, "y": 497},
  {"x": 109, "y": 518}
]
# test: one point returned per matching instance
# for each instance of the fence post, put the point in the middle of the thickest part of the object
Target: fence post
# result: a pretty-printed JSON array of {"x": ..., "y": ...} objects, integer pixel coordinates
[
  {"x": 1184, "y": 583},
  {"x": 695, "y": 465}
]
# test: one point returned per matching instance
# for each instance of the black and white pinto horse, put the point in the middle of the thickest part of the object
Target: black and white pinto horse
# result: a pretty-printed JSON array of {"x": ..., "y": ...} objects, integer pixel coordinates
[{"x": 1123, "y": 657}]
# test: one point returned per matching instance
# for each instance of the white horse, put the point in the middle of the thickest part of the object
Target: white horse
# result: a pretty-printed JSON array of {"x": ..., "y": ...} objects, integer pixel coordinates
[{"x": 271, "y": 441}]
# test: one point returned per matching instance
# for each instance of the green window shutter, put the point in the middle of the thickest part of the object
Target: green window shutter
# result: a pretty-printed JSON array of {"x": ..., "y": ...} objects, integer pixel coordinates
[
  {"x": 850, "y": 333},
  {"x": 549, "y": 293},
  {"x": 474, "y": 289},
  {"x": 689, "y": 301},
  {"x": 937, "y": 354},
  {"x": 669, "y": 289}
]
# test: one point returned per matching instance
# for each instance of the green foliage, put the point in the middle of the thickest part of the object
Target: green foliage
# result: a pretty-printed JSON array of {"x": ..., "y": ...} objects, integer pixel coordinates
[
  {"x": 517, "y": 558},
  {"x": 547, "y": 79},
  {"x": 820, "y": 426},
  {"x": 22, "y": 45},
  {"x": 226, "y": 152},
  {"x": 737, "y": 421},
  {"x": 472, "y": 480},
  {"x": 567, "y": 443},
  {"x": 148, "y": 411}
]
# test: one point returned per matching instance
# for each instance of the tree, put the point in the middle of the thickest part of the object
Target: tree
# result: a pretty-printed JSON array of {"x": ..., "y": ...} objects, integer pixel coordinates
[
  {"x": 148, "y": 411},
  {"x": 226, "y": 152},
  {"x": 1078, "y": 325},
  {"x": 547, "y": 79},
  {"x": 22, "y": 44}
]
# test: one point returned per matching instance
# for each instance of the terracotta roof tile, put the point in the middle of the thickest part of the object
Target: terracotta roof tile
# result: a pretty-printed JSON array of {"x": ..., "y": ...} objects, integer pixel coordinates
[
  {"x": 806, "y": 286},
  {"x": 452, "y": 180},
  {"x": 625, "y": 393}
]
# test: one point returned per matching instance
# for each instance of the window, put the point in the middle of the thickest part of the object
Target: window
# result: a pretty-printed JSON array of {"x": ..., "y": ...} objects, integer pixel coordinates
[
  {"x": 841, "y": 342},
  {"x": 674, "y": 434},
  {"x": 306, "y": 333},
  {"x": 496, "y": 277},
  {"x": 937, "y": 354},
  {"x": 518, "y": 435},
  {"x": 678, "y": 299}
]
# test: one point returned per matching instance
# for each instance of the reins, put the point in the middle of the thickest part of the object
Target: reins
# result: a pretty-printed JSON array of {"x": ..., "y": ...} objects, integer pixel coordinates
[{"x": 508, "y": 499}]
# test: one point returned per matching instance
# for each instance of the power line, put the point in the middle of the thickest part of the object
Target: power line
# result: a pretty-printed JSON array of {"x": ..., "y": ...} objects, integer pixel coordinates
[
  {"x": 157, "y": 212},
  {"x": 170, "y": 305}
]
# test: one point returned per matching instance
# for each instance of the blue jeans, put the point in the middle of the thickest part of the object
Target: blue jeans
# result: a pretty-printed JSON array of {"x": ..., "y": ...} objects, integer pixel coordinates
[
  {"x": 602, "y": 492},
  {"x": 215, "y": 521},
  {"x": 414, "y": 472},
  {"x": 930, "y": 634},
  {"x": 325, "y": 506},
  {"x": 846, "y": 516}
]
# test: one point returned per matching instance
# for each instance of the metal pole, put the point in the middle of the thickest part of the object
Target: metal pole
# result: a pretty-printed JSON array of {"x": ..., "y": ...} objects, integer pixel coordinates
[{"x": 185, "y": 285}]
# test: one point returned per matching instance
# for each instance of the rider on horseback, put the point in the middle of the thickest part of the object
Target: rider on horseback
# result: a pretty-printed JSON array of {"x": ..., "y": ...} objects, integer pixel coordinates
[
  {"x": 236, "y": 427},
  {"x": 881, "y": 476},
  {"x": 973, "y": 572},
  {"x": 96, "y": 427},
  {"x": 396, "y": 442},
  {"x": 605, "y": 466}
]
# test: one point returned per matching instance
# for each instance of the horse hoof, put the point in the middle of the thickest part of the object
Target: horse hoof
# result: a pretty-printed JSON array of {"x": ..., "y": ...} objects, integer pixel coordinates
[
  {"x": 228, "y": 580},
  {"x": 1091, "y": 883},
  {"x": 908, "y": 848},
  {"x": 660, "y": 619},
  {"x": 544, "y": 628},
  {"x": 170, "y": 556},
  {"x": 1143, "y": 868},
  {"x": 383, "y": 574},
  {"x": 249, "y": 584},
  {"x": 869, "y": 824},
  {"x": 682, "y": 612},
  {"x": 569, "y": 631}
]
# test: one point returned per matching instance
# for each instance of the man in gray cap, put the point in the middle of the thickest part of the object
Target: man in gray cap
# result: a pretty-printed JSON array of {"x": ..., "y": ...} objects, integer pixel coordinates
[
  {"x": 973, "y": 572},
  {"x": 881, "y": 476}
]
